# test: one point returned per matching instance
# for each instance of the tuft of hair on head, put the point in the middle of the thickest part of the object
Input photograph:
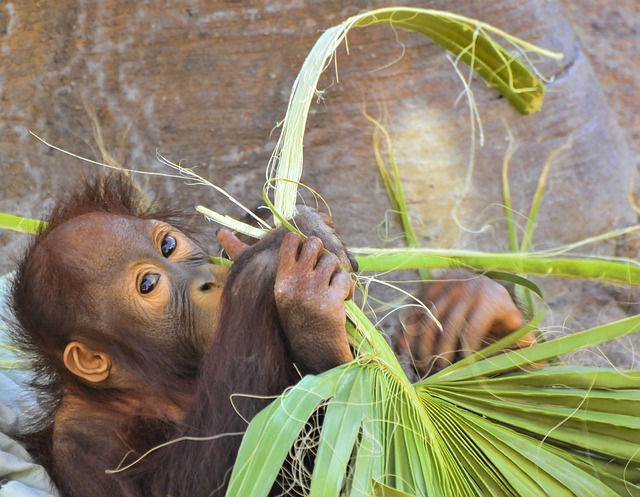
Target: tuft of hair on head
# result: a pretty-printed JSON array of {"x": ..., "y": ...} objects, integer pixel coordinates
[{"x": 114, "y": 193}]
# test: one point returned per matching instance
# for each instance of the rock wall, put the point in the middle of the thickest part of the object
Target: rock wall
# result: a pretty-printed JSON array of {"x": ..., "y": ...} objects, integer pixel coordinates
[{"x": 206, "y": 82}]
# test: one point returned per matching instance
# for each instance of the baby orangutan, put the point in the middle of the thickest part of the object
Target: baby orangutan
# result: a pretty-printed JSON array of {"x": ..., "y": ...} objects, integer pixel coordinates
[{"x": 138, "y": 339}]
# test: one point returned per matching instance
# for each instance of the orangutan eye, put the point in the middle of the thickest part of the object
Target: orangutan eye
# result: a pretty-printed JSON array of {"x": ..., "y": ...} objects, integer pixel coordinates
[
  {"x": 149, "y": 282},
  {"x": 168, "y": 245}
]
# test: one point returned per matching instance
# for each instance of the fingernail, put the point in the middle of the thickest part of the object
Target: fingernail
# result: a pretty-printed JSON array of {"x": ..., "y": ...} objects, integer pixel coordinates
[{"x": 353, "y": 261}]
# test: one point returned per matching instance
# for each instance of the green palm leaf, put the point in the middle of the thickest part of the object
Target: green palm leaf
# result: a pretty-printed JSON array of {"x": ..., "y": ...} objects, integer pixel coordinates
[
  {"x": 489, "y": 425},
  {"x": 554, "y": 430},
  {"x": 266, "y": 443},
  {"x": 19, "y": 224},
  {"x": 468, "y": 39},
  {"x": 540, "y": 264}
]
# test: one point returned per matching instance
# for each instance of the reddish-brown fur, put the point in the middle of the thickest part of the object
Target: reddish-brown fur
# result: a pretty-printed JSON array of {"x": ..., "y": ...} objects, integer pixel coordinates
[
  {"x": 248, "y": 355},
  {"x": 86, "y": 429}
]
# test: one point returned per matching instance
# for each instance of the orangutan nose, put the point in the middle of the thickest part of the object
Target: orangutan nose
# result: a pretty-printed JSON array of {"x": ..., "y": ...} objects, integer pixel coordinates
[{"x": 203, "y": 279}]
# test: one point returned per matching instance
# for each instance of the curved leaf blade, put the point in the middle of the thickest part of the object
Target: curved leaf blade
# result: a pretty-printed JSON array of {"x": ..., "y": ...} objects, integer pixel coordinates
[
  {"x": 271, "y": 433},
  {"x": 465, "y": 40}
]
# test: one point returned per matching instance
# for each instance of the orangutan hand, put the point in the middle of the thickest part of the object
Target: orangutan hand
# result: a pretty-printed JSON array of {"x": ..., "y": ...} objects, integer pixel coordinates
[{"x": 474, "y": 311}]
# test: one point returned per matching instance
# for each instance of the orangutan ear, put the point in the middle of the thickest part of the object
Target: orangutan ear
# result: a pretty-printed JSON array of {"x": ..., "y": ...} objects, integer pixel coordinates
[{"x": 91, "y": 365}]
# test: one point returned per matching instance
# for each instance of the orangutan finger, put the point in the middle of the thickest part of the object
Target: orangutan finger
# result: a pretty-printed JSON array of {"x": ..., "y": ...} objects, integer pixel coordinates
[{"x": 231, "y": 243}]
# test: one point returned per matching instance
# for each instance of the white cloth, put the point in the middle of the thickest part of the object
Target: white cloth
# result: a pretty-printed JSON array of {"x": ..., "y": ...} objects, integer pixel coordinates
[{"x": 19, "y": 476}]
